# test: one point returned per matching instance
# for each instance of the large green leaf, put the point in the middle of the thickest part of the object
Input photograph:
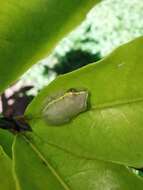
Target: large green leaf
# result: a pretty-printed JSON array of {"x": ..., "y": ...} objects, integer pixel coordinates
[
  {"x": 6, "y": 178},
  {"x": 31, "y": 170},
  {"x": 30, "y": 29},
  {"x": 45, "y": 166},
  {"x": 112, "y": 128}
]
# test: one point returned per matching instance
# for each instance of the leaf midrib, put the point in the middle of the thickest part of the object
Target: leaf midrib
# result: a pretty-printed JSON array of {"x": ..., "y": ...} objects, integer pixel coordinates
[{"x": 108, "y": 105}]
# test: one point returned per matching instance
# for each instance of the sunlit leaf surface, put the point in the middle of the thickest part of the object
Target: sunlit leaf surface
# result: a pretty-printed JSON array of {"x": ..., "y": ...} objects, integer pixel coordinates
[{"x": 112, "y": 127}]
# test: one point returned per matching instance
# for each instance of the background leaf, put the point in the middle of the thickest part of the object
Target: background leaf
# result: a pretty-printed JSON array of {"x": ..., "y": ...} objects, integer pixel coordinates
[
  {"x": 6, "y": 178},
  {"x": 112, "y": 128},
  {"x": 39, "y": 166},
  {"x": 30, "y": 168},
  {"x": 30, "y": 29},
  {"x": 6, "y": 140}
]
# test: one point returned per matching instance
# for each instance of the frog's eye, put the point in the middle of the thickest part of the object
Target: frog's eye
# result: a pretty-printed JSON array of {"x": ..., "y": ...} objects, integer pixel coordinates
[{"x": 64, "y": 108}]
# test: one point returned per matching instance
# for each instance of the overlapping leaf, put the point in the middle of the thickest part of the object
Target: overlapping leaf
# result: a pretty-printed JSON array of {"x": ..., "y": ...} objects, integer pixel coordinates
[
  {"x": 6, "y": 177},
  {"x": 30, "y": 29},
  {"x": 6, "y": 140},
  {"x": 48, "y": 167}
]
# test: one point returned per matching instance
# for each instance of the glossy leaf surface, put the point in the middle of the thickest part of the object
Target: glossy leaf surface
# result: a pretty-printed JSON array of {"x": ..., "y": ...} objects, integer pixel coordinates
[{"x": 112, "y": 128}]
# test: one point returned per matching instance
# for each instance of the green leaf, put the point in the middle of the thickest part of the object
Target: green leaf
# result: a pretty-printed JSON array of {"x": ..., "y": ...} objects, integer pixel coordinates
[
  {"x": 30, "y": 29},
  {"x": 44, "y": 166},
  {"x": 6, "y": 178},
  {"x": 6, "y": 140},
  {"x": 112, "y": 128},
  {"x": 32, "y": 170}
]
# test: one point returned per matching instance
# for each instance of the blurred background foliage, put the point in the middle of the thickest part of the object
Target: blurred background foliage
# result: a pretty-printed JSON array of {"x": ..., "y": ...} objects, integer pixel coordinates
[
  {"x": 72, "y": 60},
  {"x": 109, "y": 24}
]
